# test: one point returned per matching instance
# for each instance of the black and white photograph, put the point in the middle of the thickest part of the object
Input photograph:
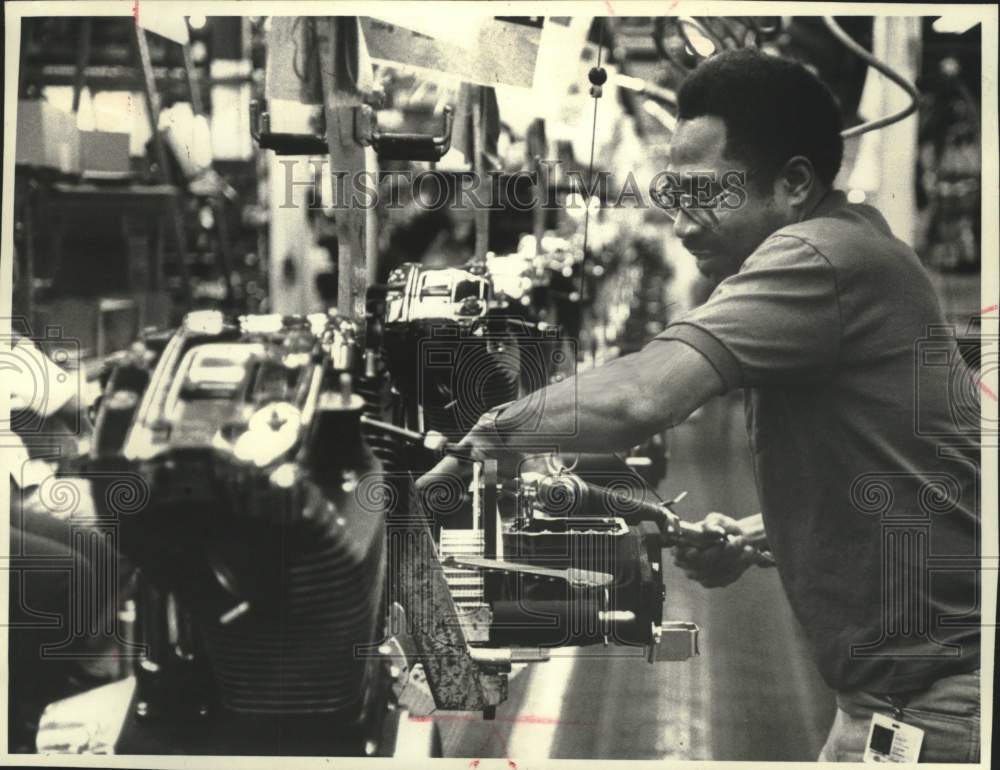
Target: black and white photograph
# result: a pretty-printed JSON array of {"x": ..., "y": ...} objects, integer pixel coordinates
[{"x": 395, "y": 383}]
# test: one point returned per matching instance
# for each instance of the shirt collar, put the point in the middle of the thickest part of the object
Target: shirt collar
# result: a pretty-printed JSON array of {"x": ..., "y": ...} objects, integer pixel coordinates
[{"x": 832, "y": 199}]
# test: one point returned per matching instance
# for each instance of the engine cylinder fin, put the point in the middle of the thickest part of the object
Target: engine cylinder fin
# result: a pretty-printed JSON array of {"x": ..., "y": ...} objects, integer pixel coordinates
[{"x": 298, "y": 655}]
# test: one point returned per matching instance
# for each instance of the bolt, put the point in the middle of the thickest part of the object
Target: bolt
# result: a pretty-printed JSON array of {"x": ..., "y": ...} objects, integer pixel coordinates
[{"x": 345, "y": 389}]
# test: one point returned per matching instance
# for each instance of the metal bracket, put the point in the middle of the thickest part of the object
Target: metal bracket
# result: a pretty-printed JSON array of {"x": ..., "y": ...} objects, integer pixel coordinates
[
  {"x": 283, "y": 143},
  {"x": 673, "y": 640},
  {"x": 401, "y": 145},
  {"x": 409, "y": 681}
]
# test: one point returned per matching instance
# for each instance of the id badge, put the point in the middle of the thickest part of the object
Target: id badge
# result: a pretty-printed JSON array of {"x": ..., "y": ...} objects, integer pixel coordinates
[{"x": 890, "y": 740}]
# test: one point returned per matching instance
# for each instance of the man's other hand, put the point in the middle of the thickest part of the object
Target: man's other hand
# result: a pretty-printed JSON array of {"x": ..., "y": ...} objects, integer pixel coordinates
[{"x": 721, "y": 563}]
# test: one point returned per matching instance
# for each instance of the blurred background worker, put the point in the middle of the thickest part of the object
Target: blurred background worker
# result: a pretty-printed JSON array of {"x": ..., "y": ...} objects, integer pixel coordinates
[
  {"x": 46, "y": 661},
  {"x": 817, "y": 314}
]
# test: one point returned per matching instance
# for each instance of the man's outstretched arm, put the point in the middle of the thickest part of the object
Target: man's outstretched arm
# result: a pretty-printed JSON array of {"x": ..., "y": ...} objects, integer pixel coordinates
[
  {"x": 605, "y": 409},
  {"x": 614, "y": 407},
  {"x": 618, "y": 405}
]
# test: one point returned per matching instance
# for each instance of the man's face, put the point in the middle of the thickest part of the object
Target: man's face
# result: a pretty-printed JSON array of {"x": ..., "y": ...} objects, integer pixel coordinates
[{"x": 698, "y": 148}]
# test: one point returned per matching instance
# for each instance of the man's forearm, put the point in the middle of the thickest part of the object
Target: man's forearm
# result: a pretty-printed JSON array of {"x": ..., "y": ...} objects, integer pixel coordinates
[
  {"x": 586, "y": 413},
  {"x": 615, "y": 406}
]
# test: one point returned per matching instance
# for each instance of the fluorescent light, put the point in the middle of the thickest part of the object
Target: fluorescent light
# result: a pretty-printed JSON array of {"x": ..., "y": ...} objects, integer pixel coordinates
[
  {"x": 629, "y": 82},
  {"x": 197, "y": 22},
  {"x": 697, "y": 41},
  {"x": 954, "y": 25},
  {"x": 205, "y": 321}
]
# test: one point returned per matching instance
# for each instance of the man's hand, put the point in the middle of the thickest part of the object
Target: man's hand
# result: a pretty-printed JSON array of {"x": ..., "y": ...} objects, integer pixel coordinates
[
  {"x": 481, "y": 443},
  {"x": 721, "y": 563},
  {"x": 478, "y": 446}
]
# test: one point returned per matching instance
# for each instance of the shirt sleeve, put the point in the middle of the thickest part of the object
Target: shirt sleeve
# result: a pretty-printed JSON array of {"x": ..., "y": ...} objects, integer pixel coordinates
[{"x": 777, "y": 320}]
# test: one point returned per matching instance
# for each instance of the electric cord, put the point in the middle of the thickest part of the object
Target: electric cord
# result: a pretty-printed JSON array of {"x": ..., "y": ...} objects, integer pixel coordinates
[
  {"x": 879, "y": 66},
  {"x": 677, "y": 28}
]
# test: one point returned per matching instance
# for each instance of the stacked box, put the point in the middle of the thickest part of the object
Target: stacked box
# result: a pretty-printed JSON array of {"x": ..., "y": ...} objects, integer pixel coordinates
[{"x": 47, "y": 137}]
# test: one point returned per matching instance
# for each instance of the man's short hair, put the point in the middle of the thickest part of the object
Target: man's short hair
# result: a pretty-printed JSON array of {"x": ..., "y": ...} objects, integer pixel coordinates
[{"x": 773, "y": 109}]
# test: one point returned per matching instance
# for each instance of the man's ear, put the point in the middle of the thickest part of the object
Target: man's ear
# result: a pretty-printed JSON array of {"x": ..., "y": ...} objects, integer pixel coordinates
[{"x": 797, "y": 179}]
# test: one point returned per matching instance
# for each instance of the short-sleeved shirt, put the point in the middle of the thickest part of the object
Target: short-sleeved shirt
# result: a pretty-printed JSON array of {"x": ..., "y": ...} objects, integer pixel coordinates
[{"x": 864, "y": 426}]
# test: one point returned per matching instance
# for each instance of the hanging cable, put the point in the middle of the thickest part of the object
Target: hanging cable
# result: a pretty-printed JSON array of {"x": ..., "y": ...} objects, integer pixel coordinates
[
  {"x": 852, "y": 45},
  {"x": 679, "y": 28},
  {"x": 597, "y": 76}
]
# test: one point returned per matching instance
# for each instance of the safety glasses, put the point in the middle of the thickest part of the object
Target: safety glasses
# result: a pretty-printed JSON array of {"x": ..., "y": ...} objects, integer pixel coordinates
[{"x": 704, "y": 205}]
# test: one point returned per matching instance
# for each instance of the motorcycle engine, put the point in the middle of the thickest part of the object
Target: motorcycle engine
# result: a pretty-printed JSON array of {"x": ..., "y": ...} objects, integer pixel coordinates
[{"x": 263, "y": 567}]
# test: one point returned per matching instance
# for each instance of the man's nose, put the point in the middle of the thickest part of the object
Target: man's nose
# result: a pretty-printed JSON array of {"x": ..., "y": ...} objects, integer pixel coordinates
[{"x": 685, "y": 226}]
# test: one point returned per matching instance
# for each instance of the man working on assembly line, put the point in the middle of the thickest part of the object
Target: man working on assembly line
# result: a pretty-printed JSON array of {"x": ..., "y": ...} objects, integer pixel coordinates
[{"x": 866, "y": 482}]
